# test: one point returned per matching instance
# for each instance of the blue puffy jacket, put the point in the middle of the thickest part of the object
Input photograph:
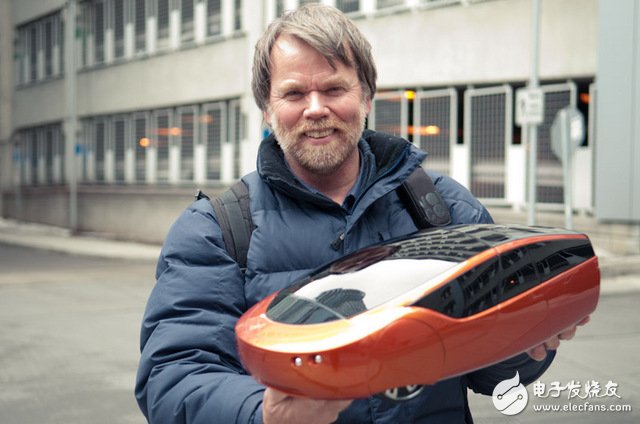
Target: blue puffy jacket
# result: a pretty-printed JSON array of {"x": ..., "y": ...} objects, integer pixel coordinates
[{"x": 189, "y": 370}]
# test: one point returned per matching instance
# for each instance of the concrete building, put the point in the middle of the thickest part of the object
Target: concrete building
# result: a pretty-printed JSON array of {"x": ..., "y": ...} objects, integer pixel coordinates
[{"x": 160, "y": 103}]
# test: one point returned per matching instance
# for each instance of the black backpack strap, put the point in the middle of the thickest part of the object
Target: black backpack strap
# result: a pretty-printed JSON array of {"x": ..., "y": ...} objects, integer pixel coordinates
[
  {"x": 424, "y": 203},
  {"x": 233, "y": 211}
]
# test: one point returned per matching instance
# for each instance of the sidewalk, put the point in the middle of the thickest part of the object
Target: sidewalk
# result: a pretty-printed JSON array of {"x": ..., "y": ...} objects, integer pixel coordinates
[
  {"x": 61, "y": 240},
  {"x": 619, "y": 273}
]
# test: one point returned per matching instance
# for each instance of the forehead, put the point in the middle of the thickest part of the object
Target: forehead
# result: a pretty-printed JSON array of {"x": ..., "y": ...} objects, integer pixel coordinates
[{"x": 294, "y": 59}]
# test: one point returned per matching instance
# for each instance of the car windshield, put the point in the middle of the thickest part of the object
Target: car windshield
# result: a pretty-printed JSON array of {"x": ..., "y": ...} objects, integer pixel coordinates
[{"x": 343, "y": 293}]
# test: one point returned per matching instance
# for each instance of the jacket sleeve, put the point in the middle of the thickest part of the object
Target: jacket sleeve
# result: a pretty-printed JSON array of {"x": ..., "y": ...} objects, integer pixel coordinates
[
  {"x": 466, "y": 209},
  {"x": 463, "y": 207},
  {"x": 189, "y": 370}
]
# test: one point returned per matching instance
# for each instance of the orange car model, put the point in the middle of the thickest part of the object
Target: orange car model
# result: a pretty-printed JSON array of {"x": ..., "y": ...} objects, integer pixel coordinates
[{"x": 420, "y": 309}]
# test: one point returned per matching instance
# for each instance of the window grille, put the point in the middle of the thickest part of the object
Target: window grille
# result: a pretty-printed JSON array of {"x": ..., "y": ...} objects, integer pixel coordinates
[
  {"x": 100, "y": 147},
  {"x": 435, "y": 126},
  {"x": 21, "y": 56},
  {"x": 38, "y": 49},
  {"x": 383, "y": 4},
  {"x": 142, "y": 141},
  {"x": 58, "y": 42},
  {"x": 48, "y": 46},
  {"x": 33, "y": 53},
  {"x": 162, "y": 19},
  {"x": 214, "y": 129},
  {"x": 237, "y": 15},
  {"x": 48, "y": 139},
  {"x": 214, "y": 18},
  {"x": 85, "y": 150},
  {"x": 34, "y": 153},
  {"x": 59, "y": 151},
  {"x": 389, "y": 113},
  {"x": 187, "y": 20},
  {"x": 40, "y": 161},
  {"x": 120, "y": 142},
  {"x": 348, "y": 6},
  {"x": 140, "y": 25},
  {"x": 21, "y": 157},
  {"x": 162, "y": 127},
  {"x": 83, "y": 30},
  {"x": 441, "y": 2},
  {"x": 187, "y": 127},
  {"x": 235, "y": 136},
  {"x": 99, "y": 28},
  {"x": 488, "y": 130},
  {"x": 549, "y": 179},
  {"x": 118, "y": 27}
]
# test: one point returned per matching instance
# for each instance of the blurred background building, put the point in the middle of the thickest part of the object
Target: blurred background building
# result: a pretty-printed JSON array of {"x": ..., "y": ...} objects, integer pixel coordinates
[{"x": 110, "y": 120}]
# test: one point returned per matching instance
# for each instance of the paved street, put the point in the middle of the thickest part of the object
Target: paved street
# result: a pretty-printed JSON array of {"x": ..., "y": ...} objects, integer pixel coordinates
[
  {"x": 69, "y": 337},
  {"x": 604, "y": 350},
  {"x": 69, "y": 344}
]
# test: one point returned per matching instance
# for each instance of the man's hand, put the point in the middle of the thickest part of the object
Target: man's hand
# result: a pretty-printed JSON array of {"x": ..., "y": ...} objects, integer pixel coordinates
[
  {"x": 540, "y": 352},
  {"x": 280, "y": 408}
]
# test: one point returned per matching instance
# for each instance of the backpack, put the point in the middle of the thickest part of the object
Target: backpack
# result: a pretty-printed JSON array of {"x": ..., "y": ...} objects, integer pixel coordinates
[{"x": 232, "y": 208}]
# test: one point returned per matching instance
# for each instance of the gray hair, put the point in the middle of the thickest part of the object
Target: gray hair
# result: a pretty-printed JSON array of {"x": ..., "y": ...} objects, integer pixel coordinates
[{"x": 329, "y": 32}]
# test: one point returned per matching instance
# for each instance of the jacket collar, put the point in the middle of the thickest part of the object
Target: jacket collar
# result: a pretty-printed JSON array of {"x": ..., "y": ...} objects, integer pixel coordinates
[{"x": 392, "y": 156}]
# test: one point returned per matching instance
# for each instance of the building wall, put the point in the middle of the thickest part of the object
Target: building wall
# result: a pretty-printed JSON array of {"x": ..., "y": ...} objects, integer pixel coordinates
[
  {"x": 482, "y": 43},
  {"x": 617, "y": 170},
  {"x": 6, "y": 96}
]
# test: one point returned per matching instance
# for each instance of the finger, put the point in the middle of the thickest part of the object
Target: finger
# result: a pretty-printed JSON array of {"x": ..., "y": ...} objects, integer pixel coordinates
[
  {"x": 275, "y": 396},
  {"x": 568, "y": 334},
  {"x": 552, "y": 343},
  {"x": 584, "y": 320},
  {"x": 538, "y": 353}
]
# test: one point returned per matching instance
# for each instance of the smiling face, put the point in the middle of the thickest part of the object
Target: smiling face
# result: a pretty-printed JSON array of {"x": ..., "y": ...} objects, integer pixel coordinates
[{"x": 317, "y": 111}]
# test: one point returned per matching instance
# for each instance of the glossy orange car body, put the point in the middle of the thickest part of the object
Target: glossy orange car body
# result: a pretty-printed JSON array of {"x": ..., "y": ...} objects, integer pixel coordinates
[{"x": 419, "y": 310}]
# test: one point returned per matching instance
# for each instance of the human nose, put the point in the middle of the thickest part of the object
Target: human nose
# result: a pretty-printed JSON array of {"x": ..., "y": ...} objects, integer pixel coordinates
[{"x": 316, "y": 106}]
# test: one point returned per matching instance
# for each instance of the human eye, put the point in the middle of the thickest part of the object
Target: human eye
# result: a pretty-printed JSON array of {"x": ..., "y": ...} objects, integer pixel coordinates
[
  {"x": 293, "y": 95},
  {"x": 335, "y": 90}
]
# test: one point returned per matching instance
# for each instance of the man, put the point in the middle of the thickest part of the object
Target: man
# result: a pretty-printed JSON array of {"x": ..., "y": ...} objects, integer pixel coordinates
[{"x": 320, "y": 191}]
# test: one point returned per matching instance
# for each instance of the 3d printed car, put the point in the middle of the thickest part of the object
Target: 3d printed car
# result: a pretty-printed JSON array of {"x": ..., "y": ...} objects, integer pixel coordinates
[{"x": 420, "y": 309}]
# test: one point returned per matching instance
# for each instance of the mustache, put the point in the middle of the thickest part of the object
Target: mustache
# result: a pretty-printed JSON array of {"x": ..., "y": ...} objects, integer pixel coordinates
[{"x": 323, "y": 124}]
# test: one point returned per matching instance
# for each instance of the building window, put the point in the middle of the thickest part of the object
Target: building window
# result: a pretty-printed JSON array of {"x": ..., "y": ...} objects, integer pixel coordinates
[
  {"x": 187, "y": 136},
  {"x": 162, "y": 139},
  {"x": 83, "y": 31},
  {"x": 99, "y": 149},
  {"x": 141, "y": 141},
  {"x": 120, "y": 145},
  {"x": 187, "y": 20},
  {"x": 48, "y": 39},
  {"x": 99, "y": 28},
  {"x": 162, "y": 19},
  {"x": 34, "y": 154},
  {"x": 214, "y": 131},
  {"x": 383, "y": 4},
  {"x": 140, "y": 25},
  {"x": 214, "y": 18},
  {"x": 38, "y": 49},
  {"x": 237, "y": 15},
  {"x": 235, "y": 136},
  {"x": 348, "y": 6},
  {"x": 118, "y": 27},
  {"x": 21, "y": 56},
  {"x": 33, "y": 53}
]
